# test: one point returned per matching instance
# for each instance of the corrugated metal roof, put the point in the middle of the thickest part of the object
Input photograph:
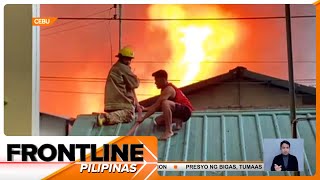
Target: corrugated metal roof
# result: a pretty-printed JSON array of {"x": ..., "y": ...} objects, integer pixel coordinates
[
  {"x": 218, "y": 136},
  {"x": 56, "y": 116}
]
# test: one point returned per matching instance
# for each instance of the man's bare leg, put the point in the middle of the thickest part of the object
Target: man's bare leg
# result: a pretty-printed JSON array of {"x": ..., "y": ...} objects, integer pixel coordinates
[
  {"x": 159, "y": 121},
  {"x": 178, "y": 123},
  {"x": 167, "y": 107}
]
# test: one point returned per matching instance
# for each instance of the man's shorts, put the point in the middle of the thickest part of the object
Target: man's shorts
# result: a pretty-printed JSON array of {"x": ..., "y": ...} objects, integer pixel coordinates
[
  {"x": 119, "y": 116},
  {"x": 181, "y": 112}
]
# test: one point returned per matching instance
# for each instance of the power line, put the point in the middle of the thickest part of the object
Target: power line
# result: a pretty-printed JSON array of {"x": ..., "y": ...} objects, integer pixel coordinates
[
  {"x": 75, "y": 21},
  {"x": 110, "y": 42},
  {"x": 140, "y": 94},
  {"x": 98, "y": 79},
  {"x": 152, "y": 82},
  {"x": 102, "y": 93},
  {"x": 81, "y": 92},
  {"x": 108, "y": 27},
  {"x": 215, "y": 19},
  {"x": 103, "y": 78},
  {"x": 172, "y": 62},
  {"x": 169, "y": 62},
  {"x": 142, "y": 79},
  {"x": 72, "y": 92},
  {"x": 77, "y": 27},
  {"x": 186, "y": 19}
]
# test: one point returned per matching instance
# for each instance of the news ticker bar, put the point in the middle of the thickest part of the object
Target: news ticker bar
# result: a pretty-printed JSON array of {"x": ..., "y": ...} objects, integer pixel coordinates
[
  {"x": 193, "y": 166},
  {"x": 210, "y": 167}
]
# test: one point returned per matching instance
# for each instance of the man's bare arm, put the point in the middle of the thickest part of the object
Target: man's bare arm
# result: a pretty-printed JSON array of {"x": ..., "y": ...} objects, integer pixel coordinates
[{"x": 165, "y": 95}]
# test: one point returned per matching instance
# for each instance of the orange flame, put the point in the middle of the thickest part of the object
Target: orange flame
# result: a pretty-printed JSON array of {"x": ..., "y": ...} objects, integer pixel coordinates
[{"x": 193, "y": 42}]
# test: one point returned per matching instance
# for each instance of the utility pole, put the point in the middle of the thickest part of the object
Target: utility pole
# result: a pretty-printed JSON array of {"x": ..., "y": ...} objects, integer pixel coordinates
[
  {"x": 120, "y": 25},
  {"x": 291, "y": 78},
  {"x": 290, "y": 67}
]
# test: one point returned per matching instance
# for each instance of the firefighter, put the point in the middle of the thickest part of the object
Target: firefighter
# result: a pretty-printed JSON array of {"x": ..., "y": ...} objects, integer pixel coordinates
[{"x": 120, "y": 99}]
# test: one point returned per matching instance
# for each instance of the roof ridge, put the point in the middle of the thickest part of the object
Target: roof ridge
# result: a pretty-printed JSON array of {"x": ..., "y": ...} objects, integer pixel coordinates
[{"x": 241, "y": 71}]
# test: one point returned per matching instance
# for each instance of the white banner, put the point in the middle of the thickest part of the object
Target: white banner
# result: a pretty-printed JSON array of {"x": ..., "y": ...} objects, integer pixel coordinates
[{"x": 244, "y": 166}]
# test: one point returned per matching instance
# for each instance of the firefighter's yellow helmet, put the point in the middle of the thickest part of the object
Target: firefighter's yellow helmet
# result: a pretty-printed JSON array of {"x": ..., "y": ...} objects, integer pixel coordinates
[{"x": 126, "y": 52}]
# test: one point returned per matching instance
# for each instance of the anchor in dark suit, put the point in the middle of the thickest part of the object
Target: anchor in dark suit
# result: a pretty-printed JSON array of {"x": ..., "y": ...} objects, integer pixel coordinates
[{"x": 285, "y": 161}]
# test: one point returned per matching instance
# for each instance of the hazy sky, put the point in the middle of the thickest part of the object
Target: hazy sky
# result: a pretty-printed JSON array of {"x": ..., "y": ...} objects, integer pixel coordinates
[{"x": 76, "y": 55}]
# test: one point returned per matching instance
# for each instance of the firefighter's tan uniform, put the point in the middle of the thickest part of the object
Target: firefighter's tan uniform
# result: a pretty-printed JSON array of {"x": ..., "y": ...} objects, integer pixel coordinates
[{"x": 119, "y": 93}]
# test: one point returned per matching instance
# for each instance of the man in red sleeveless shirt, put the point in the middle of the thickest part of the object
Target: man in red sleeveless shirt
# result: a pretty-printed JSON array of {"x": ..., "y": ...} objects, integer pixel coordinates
[{"x": 172, "y": 102}]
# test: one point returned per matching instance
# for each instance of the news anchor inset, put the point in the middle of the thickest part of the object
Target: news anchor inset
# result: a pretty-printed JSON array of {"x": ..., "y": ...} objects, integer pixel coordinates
[{"x": 285, "y": 161}]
